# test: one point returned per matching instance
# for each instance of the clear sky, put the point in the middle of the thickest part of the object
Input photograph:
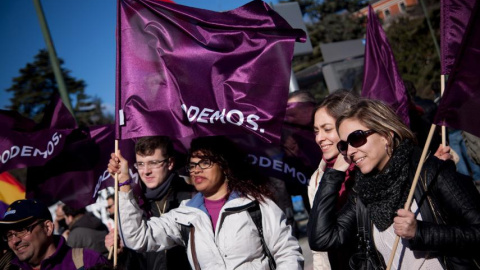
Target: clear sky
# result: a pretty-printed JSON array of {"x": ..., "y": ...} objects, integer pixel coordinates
[{"x": 83, "y": 32}]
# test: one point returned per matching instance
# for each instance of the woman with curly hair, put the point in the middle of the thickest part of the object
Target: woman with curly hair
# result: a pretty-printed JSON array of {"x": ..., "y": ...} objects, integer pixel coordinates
[{"x": 231, "y": 223}]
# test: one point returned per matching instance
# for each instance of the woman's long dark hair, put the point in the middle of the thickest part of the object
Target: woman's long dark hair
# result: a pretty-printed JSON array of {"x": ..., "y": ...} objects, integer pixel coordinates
[{"x": 240, "y": 174}]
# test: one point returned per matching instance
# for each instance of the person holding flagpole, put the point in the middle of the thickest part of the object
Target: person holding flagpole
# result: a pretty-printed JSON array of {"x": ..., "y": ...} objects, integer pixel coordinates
[
  {"x": 230, "y": 224},
  {"x": 440, "y": 231},
  {"x": 162, "y": 190}
]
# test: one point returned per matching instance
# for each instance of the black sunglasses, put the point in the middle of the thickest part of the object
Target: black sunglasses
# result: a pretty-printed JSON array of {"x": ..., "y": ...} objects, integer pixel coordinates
[{"x": 355, "y": 139}]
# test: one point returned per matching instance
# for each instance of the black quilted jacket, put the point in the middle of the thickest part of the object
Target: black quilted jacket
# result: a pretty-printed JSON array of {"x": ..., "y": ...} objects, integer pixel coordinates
[{"x": 449, "y": 204}]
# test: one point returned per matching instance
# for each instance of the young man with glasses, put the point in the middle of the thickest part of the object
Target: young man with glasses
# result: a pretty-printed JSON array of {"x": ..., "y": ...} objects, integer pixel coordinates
[
  {"x": 27, "y": 227},
  {"x": 163, "y": 190}
]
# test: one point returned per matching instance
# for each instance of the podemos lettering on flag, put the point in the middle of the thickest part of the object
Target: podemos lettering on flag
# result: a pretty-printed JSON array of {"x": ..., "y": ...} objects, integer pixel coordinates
[
  {"x": 24, "y": 143},
  {"x": 186, "y": 72},
  {"x": 79, "y": 171}
]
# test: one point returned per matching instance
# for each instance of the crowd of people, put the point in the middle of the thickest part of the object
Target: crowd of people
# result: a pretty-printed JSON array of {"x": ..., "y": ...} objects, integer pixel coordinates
[{"x": 223, "y": 214}]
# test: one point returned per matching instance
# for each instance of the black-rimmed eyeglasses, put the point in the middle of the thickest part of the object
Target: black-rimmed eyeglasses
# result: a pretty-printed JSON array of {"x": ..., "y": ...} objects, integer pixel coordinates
[{"x": 203, "y": 164}]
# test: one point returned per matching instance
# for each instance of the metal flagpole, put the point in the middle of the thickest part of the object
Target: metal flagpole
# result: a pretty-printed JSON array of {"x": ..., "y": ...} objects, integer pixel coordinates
[{"x": 53, "y": 57}]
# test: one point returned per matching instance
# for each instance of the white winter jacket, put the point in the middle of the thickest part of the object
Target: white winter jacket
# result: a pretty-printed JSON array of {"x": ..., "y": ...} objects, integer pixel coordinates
[
  {"x": 235, "y": 243},
  {"x": 320, "y": 259}
]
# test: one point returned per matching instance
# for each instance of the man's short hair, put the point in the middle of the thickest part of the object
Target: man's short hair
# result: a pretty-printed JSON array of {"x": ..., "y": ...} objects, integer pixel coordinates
[
  {"x": 146, "y": 146},
  {"x": 69, "y": 211},
  {"x": 23, "y": 212}
]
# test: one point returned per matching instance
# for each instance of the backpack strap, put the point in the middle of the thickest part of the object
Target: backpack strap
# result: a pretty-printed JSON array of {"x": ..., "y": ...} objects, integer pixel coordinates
[
  {"x": 188, "y": 232},
  {"x": 256, "y": 215},
  {"x": 77, "y": 256},
  {"x": 184, "y": 231}
]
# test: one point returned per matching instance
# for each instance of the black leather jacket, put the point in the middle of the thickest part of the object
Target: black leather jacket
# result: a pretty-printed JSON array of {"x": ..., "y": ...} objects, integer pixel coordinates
[{"x": 449, "y": 205}]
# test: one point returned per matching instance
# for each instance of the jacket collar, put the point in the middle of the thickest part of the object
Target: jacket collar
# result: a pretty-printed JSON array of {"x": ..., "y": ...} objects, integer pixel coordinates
[
  {"x": 198, "y": 201},
  {"x": 58, "y": 255}
]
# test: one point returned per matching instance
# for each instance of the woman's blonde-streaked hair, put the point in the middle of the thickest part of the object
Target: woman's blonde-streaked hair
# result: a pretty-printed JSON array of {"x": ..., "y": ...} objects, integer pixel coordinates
[
  {"x": 378, "y": 116},
  {"x": 337, "y": 102}
]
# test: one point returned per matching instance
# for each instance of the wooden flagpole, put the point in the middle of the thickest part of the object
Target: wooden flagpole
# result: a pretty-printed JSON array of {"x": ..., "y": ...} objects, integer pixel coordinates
[
  {"x": 62, "y": 88},
  {"x": 444, "y": 130},
  {"x": 408, "y": 203},
  {"x": 115, "y": 228}
]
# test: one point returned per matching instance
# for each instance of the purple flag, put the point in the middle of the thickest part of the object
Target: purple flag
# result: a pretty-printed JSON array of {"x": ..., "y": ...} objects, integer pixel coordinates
[
  {"x": 300, "y": 114},
  {"x": 455, "y": 15},
  {"x": 23, "y": 144},
  {"x": 381, "y": 79},
  {"x": 461, "y": 100},
  {"x": 298, "y": 155},
  {"x": 186, "y": 72},
  {"x": 80, "y": 170}
]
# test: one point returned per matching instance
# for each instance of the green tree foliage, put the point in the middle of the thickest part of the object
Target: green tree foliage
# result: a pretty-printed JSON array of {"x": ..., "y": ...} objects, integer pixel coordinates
[
  {"x": 33, "y": 89},
  {"x": 89, "y": 111},
  {"x": 329, "y": 21},
  {"x": 319, "y": 10},
  {"x": 333, "y": 28},
  {"x": 414, "y": 49},
  {"x": 332, "y": 21}
]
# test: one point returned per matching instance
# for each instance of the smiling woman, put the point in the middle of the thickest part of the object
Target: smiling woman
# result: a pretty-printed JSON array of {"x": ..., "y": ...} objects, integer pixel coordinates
[
  {"x": 222, "y": 226},
  {"x": 445, "y": 207},
  {"x": 326, "y": 137}
]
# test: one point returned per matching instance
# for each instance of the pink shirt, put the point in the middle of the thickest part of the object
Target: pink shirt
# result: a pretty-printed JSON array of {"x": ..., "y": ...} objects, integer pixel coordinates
[{"x": 213, "y": 208}]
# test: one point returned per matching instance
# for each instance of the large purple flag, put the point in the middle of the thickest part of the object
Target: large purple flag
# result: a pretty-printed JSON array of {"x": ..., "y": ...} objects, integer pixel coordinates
[
  {"x": 80, "y": 170},
  {"x": 23, "y": 143},
  {"x": 459, "y": 106},
  {"x": 298, "y": 155},
  {"x": 455, "y": 15},
  {"x": 186, "y": 72},
  {"x": 381, "y": 79}
]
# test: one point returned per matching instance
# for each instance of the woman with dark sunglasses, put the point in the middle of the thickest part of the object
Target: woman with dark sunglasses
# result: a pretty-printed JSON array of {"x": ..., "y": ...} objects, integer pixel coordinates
[
  {"x": 442, "y": 228},
  {"x": 230, "y": 224},
  {"x": 326, "y": 136}
]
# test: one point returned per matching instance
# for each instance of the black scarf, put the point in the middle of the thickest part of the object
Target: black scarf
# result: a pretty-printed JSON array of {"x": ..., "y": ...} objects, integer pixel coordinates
[
  {"x": 385, "y": 192},
  {"x": 156, "y": 194}
]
